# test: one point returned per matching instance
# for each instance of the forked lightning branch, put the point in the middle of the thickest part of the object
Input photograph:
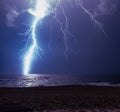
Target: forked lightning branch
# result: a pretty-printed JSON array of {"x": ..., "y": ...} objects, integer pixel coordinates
[{"x": 41, "y": 9}]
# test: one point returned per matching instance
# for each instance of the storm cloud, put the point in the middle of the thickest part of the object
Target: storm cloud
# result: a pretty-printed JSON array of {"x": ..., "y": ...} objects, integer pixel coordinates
[
  {"x": 101, "y": 8},
  {"x": 106, "y": 7},
  {"x": 13, "y": 10},
  {"x": 11, "y": 17}
]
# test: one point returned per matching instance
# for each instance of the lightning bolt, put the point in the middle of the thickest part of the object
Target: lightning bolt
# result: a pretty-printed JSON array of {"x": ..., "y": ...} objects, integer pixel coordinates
[
  {"x": 64, "y": 27},
  {"x": 41, "y": 10},
  {"x": 96, "y": 22}
]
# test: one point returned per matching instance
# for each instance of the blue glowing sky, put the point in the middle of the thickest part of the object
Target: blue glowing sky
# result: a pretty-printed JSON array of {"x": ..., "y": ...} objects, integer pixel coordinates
[{"x": 92, "y": 50}]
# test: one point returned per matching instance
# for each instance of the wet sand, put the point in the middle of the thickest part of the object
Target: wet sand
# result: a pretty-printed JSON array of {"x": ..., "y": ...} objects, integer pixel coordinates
[{"x": 60, "y": 99}]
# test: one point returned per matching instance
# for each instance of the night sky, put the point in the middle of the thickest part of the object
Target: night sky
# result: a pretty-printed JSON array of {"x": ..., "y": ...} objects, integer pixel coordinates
[{"x": 90, "y": 52}]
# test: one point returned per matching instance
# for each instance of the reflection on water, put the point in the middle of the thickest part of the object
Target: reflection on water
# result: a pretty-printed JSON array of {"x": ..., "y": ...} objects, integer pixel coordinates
[{"x": 33, "y": 80}]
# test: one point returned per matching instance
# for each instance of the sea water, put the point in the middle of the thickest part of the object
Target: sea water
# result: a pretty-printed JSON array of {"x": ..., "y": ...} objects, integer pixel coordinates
[{"x": 36, "y": 80}]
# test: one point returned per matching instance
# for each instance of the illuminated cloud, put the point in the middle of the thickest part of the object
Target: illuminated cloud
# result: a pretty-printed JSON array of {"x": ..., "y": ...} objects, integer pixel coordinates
[
  {"x": 13, "y": 9},
  {"x": 11, "y": 17},
  {"x": 106, "y": 7}
]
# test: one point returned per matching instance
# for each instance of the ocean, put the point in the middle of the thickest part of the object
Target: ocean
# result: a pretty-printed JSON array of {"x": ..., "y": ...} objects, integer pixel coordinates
[{"x": 34, "y": 80}]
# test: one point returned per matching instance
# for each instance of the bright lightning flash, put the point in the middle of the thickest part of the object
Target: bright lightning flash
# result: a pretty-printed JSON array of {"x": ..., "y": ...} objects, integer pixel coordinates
[{"x": 40, "y": 11}]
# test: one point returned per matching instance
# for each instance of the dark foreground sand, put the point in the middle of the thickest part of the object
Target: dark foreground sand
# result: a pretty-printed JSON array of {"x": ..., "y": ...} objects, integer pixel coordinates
[{"x": 60, "y": 99}]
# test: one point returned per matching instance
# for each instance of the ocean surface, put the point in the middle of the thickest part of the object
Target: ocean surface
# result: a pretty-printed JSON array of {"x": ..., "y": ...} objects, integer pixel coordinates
[{"x": 34, "y": 80}]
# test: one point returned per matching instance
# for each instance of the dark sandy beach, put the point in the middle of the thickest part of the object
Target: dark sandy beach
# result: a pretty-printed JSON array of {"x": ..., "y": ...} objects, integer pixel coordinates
[{"x": 60, "y": 99}]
